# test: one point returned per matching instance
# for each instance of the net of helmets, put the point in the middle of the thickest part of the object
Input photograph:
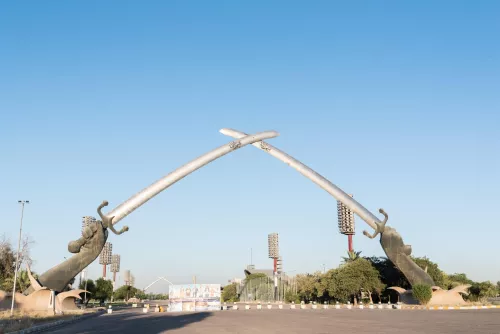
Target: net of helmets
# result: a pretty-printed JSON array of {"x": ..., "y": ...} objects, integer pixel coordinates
[{"x": 345, "y": 219}]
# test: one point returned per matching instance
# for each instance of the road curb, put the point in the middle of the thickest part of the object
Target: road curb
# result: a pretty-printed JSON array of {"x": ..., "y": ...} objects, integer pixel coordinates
[
  {"x": 385, "y": 307},
  {"x": 55, "y": 324}
]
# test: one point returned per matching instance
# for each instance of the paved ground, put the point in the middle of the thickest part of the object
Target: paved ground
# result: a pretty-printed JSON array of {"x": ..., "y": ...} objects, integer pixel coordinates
[{"x": 292, "y": 321}]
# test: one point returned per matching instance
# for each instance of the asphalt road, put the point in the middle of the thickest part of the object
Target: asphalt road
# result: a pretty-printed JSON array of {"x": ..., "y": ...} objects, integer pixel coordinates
[{"x": 292, "y": 321}]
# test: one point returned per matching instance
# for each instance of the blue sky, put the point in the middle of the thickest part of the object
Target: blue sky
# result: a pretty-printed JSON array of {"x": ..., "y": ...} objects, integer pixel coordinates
[{"x": 394, "y": 102}]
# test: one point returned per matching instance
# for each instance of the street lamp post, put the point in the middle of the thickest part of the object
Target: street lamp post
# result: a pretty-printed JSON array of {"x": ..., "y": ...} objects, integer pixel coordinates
[
  {"x": 17, "y": 257},
  {"x": 84, "y": 274}
]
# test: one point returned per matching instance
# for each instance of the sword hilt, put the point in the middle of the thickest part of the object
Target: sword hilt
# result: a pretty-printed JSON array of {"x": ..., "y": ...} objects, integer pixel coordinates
[
  {"x": 380, "y": 226},
  {"x": 107, "y": 222}
]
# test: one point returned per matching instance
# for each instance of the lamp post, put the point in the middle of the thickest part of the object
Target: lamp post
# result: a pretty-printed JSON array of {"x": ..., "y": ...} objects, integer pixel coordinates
[
  {"x": 105, "y": 257},
  {"x": 83, "y": 274},
  {"x": 273, "y": 250},
  {"x": 17, "y": 257},
  {"x": 346, "y": 223}
]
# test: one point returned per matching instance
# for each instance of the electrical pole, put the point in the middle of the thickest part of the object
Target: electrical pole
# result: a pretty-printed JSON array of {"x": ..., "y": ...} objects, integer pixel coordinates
[{"x": 17, "y": 257}]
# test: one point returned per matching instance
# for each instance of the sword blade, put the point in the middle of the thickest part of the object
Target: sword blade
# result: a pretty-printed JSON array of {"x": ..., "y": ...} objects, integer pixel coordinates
[
  {"x": 321, "y": 181},
  {"x": 154, "y": 189}
]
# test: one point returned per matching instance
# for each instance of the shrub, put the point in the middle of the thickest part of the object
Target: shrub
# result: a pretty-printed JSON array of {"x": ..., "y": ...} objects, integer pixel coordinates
[
  {"x": 423, "y": 293},
  {"x": 292, "y": 297}
]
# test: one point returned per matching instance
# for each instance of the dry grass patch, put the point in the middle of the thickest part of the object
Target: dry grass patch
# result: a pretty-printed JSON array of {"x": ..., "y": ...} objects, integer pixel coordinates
[{"x": 26, "y": 319}]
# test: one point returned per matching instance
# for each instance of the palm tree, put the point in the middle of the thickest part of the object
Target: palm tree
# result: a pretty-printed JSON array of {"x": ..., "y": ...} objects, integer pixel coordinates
[
  {"x": 351, "y": 256},
  {"x": 23, "y": 281}
]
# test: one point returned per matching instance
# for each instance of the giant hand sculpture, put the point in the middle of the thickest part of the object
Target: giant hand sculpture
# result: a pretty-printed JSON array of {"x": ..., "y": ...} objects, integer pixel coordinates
[
  {"x": 86, "y": 250},
  {"x": 89, "y": 246},
  {"x": 391, "y": 241},
  {"x": 399, "y": 253}
]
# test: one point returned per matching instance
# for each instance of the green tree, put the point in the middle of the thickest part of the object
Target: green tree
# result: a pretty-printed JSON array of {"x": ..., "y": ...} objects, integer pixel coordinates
[
  {"x": 349, "y": 280},
  {"x": 159, "y": 296},
  {"x": 7, "y": 260},
  {"x": 125, "y": 292},
  {"x": 292, "y": 297},
  {"x": 454, "y": 280},
  {"x": 481, "y": 291},
  {"x": 307, "y": 285},
  {"x": 230, "y": 293},
  {"x": 432, "y": 269},
  {"x": 104, "y": 289},
  {"x": 390, "y": 275},
  {"x": 422, "y": 292},
  {"x": 142, "y": 295},
  {"x": 351, "y": 256},
  {"x": 23, "y": 281},
  {"x": 91, "y": 289}
]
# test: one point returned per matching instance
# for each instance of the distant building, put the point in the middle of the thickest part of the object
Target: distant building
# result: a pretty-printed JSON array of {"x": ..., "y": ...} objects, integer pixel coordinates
[
  {"x": 236, "y": 280},
  {"x": 268, "y": 272},
  {"x": 86, "y": 221}
]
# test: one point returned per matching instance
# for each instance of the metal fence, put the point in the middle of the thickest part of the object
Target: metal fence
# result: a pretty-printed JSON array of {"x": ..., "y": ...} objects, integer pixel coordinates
[{"x": 262, "y": 289}]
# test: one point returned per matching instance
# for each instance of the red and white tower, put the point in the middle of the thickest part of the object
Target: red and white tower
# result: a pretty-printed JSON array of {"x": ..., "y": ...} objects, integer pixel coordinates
[{"x": 346, "y": 222}]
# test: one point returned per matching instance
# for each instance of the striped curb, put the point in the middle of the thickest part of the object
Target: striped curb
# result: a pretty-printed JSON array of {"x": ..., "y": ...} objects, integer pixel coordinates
[
  {"x": 364, "y": 307},
  {"x": 59, "y": 323},
  {"x": 481, "y": 307}
]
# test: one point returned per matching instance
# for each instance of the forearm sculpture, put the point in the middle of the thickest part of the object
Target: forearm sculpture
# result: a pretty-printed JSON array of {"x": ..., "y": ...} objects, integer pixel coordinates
[
  {"x": 391, "y": 241},
  {"x": 89, "y": 246}
]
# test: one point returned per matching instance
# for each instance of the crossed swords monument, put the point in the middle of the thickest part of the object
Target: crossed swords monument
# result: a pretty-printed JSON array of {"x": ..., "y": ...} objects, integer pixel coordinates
[{"x": 49, "y": 285}]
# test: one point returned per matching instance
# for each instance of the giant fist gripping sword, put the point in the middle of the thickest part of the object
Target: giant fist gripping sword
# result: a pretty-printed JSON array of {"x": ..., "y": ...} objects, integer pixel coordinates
[
  {"x": 390, "y": 240},
  {"x": 89, "y": 246}
]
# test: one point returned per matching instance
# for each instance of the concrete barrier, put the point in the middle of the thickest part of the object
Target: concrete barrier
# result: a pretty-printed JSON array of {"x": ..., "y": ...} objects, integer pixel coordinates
[
  {"x": 247, "y": 307},
  {"x": 145, "y": 309},
  {"x": 259, "y": 306}
]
